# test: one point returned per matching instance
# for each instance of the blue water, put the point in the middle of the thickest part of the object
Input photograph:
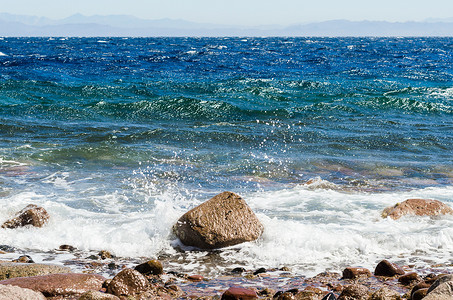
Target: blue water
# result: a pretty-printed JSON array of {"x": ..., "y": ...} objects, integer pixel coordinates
[{"x": 124, "y": 129}]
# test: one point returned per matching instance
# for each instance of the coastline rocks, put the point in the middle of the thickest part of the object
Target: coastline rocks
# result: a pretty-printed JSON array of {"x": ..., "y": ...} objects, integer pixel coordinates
[
  {"x": 128, "y": 282},
  {"x": 12, "y": 270},
  {"x": 59, "y": 285},
  {"x": 31, "y": 215},
  {"x": 418, "y": 207},
  {"x": 354, "y": 292},
  {"x": 8, "y": 292},
  {"x": 96, "y": 295},
  {"x": 239, "y": 293},
  {"x": 224, "y": 220},
  {"x": 385, "y": 294},
  {"x": 352, "y": 273},
  {"x": 151, "y": 267},
  {"x": 388, "y": 269},
  {"x": 441, "y": 289}
]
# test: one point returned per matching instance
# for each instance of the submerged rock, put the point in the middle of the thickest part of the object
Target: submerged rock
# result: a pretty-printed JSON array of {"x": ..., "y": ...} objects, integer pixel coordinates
[
  {"x": 30, "y": 215},
  {"x": 418, "y": 207},
  {"x": 59, "y": 285},
  {"x": 12, "y": 270},
  {"x": 8, "y": 292},
  {"x": 224, "y": 220}
]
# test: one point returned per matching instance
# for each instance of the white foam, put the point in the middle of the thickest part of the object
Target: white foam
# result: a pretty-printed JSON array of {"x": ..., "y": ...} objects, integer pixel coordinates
[
  {"x": 3, "y": 54},
  {"x": 307, "y": 229}
]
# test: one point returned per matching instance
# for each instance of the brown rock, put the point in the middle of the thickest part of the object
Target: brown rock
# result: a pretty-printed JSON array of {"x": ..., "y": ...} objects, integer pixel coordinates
[
  {"x": 352, "y": 273},
  {"x": 239, "y": 293},
  {"x": 59, "y": 285},
  {"x": 409, "y": 278},
  {"x": 30, "y": 215},
  {"x": 151, "y": 267},
  {"x": 354, "y": 292},
  {"x": 419, "y": 286},
  {"x": 222, "y": 221},
  {"x": 283, "y": 296},
  {"x": 385, "y": 294},
  {"x": 96, "y": 295},
  {"x": 195, "y": 278},
  {"x": 419, "y": 294},
  {"x": 419, "y": 207},
  {"x": 128, "y": 282},
  {"x": 388, "y": 269},
  {"x": 104, "y": 254},
  {"x": 12, "y": 270}
]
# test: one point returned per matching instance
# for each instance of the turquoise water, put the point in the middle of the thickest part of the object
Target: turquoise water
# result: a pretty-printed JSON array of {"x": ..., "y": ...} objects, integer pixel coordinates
[{"x": 121, "y": 136}]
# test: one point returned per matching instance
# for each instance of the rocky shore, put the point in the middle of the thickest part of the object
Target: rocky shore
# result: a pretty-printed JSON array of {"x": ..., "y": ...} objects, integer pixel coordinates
[{"x": 222, "y": 221}]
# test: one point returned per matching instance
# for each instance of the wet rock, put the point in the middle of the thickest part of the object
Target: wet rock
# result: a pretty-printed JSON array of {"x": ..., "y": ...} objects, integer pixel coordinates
[
  {"x": 239, "y": 293},
  {"x": 25, "y": 259},
  {"x": 195, "y": 278},
  {"x": 329, "y": 296},
  {"x": 59, "y": 285},
  {"x": 96, "y": 295},
  {"x": 443, "y": 291},
  {"x": 419, "y": 286},
  {"x": 418, "y": 207},
  {"x": 151, "y": 267},
  {"x": 9, "y": 292},
  {"x": 66, "y": 248},
  {"x": 409, "y": 278},
  {"x": 352, "y": 273},
  {"x": 267, "y": 292},
  {"x": 128, "y": 282},
  {"x": 12, "y": 270},
  {"x": 238, "y": 270},
  {"x": 31, "y": 215},
  {"x": 104, "y": 254},
  {"x": 354, "y": 292},
  {"x": 259, "y": 271},
  {"x": 419, "y": 294},
  {"x": 385, "y": 294},
  {"x": 439, "y": 281},
  {"x": 388, "y": 269},
  {"x": 222, "y": 221},
  {"x": 284, "y": 296}
]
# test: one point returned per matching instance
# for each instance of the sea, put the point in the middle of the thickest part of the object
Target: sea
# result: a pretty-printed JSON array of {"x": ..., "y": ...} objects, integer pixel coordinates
[{"x": 118, "y": 137}]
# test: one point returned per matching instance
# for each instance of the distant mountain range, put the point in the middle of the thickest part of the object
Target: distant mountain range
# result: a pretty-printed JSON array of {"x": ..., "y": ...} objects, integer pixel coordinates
[{"x": 123, "y": 25}]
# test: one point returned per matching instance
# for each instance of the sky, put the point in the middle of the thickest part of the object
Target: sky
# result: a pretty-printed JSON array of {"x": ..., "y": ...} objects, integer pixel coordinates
[{"x": 240, "y": 12}]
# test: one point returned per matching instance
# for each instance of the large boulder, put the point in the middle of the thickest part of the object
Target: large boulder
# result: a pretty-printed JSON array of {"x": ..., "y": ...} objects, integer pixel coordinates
[
  {"x": 12, "y": 270},
  {"x": 224, "y": 220},
  {"x": 8, "y": 292},
  {"x": 59, "y": 285},
  {"x": 31, "y": 215},
  {"x": 418, "y": 207}
]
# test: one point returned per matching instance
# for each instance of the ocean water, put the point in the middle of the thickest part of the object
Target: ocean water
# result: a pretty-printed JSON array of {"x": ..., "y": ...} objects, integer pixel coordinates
[{"x": 118, "y": 137}]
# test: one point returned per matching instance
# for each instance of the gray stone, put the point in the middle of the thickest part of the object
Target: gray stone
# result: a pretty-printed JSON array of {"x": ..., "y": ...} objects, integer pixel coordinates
[
  {"x": 11, "y": 270},
  {"x": 9, "y": 292}
]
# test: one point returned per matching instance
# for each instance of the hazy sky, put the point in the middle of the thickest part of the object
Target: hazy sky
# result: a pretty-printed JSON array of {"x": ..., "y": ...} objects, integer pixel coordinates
[{"x": 240, "y": 12}]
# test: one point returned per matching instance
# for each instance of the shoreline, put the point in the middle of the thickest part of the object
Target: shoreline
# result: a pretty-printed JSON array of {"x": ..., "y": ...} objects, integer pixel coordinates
[{"x": 196, "y": 285}]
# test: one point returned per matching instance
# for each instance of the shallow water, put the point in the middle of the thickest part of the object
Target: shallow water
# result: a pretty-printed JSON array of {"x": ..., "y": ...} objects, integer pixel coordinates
[{"x": 118, "y": 139}]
